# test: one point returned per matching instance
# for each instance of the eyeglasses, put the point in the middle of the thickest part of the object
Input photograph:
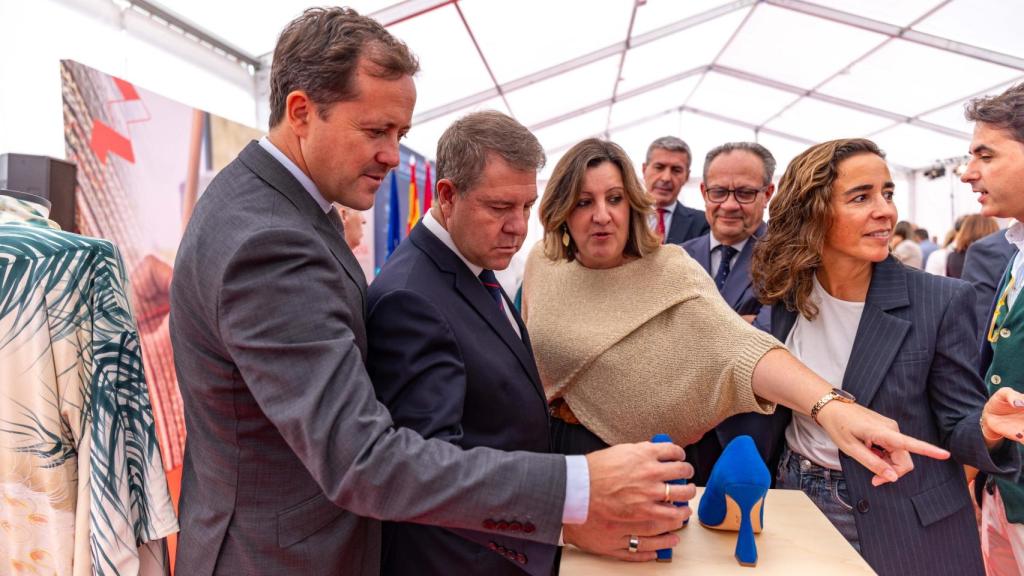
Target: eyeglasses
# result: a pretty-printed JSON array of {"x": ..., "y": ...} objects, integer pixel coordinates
[{"x": 742, "y": 195}]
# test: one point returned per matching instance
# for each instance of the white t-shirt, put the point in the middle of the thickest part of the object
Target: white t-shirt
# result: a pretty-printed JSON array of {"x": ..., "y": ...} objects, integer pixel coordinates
[{"x": 824, "y": 345}]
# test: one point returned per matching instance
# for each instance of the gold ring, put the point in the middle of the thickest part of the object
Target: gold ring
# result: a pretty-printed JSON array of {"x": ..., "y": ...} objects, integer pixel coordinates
[
  {"x": 634, "y": 544},
  {"x": 668, "y": 495}
]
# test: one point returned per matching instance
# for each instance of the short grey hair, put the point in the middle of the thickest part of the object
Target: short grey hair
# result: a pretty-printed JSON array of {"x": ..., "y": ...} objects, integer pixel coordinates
[
  {"x": 754, "y": 148},
  {"x": 672, "y": 144},
  {"x": 463, "y": 148}
]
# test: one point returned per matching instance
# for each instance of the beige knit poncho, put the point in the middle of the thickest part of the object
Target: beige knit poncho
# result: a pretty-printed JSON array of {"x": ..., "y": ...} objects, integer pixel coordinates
[{"x": 642, "y": 348}]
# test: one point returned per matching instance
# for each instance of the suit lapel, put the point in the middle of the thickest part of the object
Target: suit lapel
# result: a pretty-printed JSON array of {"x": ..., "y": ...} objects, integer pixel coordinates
[
  {"x": 680, "y": 225},
  {"x": 277, "y": 177},
  {"x": 739, "y": 277},
  {"x": 880, "y": 333},
  {"x": 782, "y": 321},
  {"x": 470, "y": 289},
  {"x": 703, "y": 253}
]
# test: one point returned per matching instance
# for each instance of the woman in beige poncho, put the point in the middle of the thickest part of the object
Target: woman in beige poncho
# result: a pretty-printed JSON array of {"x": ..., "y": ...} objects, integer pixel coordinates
[{"x": 632, "y": 338}]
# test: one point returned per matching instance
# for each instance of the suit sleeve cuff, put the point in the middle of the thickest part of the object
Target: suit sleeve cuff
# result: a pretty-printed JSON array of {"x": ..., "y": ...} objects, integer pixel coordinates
[{"x": 577, "y": 490}]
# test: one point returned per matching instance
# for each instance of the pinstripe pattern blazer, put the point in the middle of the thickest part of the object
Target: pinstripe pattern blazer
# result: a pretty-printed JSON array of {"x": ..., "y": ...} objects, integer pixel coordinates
[{"x": 914, "y": 360}]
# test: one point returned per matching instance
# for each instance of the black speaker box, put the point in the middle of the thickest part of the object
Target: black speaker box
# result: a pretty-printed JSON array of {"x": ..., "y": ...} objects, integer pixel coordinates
[{"x": 43, "y": 176}]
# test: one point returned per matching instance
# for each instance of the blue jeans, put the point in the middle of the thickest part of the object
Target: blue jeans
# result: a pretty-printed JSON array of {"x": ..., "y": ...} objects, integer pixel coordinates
[{"x": 826, "y": 488}]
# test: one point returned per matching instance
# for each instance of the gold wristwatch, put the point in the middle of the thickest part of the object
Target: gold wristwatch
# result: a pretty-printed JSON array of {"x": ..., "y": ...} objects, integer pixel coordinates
[{"x": 835, "y": 394}]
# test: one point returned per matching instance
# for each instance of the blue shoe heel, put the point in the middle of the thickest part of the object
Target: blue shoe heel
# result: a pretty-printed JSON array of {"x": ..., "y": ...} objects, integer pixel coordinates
[
  {"x": 665, "y": 554},
  {"x": 747, "y": 502},
  {"x": 734, "y": 496}
]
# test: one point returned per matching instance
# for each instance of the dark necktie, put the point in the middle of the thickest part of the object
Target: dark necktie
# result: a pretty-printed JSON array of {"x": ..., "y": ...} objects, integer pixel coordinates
[
  {"x": 490, "y": 281},
  {"x": 723, "y": 267}
]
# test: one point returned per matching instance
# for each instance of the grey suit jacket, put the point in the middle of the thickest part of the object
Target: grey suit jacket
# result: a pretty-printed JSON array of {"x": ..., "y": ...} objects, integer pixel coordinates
[
  {"x": 984, "y": 264},
  {"x": 687, "y": 223},
  {"x": 290, "y": 459},
  {"x": 913, "y": 360}
]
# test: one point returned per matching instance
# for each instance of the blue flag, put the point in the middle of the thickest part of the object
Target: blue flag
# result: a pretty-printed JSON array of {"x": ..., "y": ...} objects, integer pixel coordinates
[{"x": 394, "y": 216}]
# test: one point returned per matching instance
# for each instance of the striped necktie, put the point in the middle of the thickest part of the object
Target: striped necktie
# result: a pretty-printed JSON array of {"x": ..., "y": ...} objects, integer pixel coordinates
[
  {"x": 490, "y": 281},
  {"x": 723, "y": 267}
]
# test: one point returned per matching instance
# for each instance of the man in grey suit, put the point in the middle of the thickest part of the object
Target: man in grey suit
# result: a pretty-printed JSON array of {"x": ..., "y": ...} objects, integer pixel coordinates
[
  {"x": 290, "y": 460},
  {"x": 736, "y": 186},
  {"x": 666, "y": 168}
]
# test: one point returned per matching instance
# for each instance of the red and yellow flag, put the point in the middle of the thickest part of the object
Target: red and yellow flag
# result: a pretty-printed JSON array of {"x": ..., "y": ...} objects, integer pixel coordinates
[
  {"x": 428, "y": 189},
  {"x": 414, "y": 201}
]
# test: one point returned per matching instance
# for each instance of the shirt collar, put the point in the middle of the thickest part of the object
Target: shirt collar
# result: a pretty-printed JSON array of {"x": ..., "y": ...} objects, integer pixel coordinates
[
  {"x": 1015, "y": 235},
  {"x": 738, "y": 246},
  {"x": 297, "y": 172},
  {"x": 436, "y": 229}
]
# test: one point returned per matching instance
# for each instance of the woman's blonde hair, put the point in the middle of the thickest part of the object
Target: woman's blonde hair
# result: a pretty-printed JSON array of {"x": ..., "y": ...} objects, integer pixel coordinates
[
  {"x": 563, "y": 191},
  {"x": 786, "y": 257}
]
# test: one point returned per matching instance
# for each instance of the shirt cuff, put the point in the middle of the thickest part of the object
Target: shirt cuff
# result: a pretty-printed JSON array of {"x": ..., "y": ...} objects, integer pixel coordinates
[{"x": 577, "y": 490}]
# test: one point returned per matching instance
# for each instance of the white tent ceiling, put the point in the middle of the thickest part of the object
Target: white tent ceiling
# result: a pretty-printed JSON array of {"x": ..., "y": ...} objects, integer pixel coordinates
[{"x": 783, "y": 72}]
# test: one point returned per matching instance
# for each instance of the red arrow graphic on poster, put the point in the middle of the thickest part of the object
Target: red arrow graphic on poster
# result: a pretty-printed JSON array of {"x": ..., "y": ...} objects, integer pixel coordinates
[{"x": 106, "y": 139}]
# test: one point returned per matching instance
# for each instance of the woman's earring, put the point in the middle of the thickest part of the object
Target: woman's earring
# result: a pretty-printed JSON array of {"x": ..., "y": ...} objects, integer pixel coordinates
[{"x": 565, "y": 237}]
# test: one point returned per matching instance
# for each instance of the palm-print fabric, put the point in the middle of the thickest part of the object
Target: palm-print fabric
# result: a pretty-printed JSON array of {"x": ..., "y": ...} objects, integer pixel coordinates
[{"x": 82, "y": 488}]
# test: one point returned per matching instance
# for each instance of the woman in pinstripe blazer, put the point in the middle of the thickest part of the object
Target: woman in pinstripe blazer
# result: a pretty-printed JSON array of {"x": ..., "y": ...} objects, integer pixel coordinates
[{"x": 902, "y": 342}]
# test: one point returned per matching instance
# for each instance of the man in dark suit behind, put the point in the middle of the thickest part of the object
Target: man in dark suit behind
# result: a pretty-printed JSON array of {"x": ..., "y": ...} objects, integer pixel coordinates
[
  {"x": 736, "y": 186},
  {"x": 665, "y": 169},
  {"x": 448, "y": 353},
  {"x": 984, "y": 264},
  {"x": 290, "y": 458}
]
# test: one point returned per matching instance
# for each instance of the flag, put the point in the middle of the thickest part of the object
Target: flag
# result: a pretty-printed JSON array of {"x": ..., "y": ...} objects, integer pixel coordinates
[
  {"x": 414, "y": 199},
  {"x": 394, "y": 222},
  {"x": 428, "y": 189}
]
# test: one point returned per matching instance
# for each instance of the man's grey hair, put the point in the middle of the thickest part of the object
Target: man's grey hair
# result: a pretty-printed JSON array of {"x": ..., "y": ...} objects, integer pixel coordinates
[
  {"x": 754, "y": 148},
  {"x": 671, "y": 144},
  {"x": 463, "y": 148}
]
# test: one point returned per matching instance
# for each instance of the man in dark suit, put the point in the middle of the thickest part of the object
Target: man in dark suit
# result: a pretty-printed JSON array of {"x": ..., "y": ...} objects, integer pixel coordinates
[
  {"x": 665, "y": 170},
  {"x": 984, "y": 264},
  {"x": 736, "y": 186},
  {"x": 448, "y": 353},
  {"x": 290, "y": 458},
  {"x": 996, "y": 173}
]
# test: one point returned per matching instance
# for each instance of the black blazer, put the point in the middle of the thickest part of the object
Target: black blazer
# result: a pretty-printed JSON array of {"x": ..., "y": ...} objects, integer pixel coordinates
[
  {"x": 447, "y": 363},
  {"x": 913, "y": 360},
  {"x": 687, "y": 223}
]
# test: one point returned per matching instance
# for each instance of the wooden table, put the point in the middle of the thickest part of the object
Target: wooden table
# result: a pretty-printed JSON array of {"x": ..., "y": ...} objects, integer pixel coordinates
[{"x": 797, "y": 539}]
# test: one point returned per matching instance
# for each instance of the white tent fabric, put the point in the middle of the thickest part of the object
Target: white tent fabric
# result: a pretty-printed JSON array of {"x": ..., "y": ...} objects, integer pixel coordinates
[{"x": 786, "y": 73}]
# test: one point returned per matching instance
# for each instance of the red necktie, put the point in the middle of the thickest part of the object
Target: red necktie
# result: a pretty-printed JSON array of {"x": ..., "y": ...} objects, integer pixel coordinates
[{"x": 661, "y": 224}]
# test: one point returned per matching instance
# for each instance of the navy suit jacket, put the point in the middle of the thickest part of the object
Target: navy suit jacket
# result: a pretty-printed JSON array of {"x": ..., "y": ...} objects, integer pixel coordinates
[
  {"x": 687, "y": 223},
  {"x": 984, "y": 264},
  {"x": 766, "y": 430},
  {"x": 913, "y": 360},
  {"x": 448, "y": 364}
]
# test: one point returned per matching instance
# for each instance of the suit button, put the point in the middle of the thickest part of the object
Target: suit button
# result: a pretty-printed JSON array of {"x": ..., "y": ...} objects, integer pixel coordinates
[
  {"x": 529, "y": 527},
  {"x": 996, "y": 379},
  {"x": 515, "y": 526},
  {"x": 521, "y": 558},
  {"x": 863, "y": 506},
  {"x": 502, "y": 526},
  {"x": 1004, "y": 333},
  {"x": 493, "y": 545},
  {"x": 489, "y": 524}
]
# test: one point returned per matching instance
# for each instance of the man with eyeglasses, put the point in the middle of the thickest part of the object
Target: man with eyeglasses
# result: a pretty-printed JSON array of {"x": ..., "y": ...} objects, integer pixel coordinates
[
  {"x": 736, "y": 186},
  {"x": 666, "y": 168}
]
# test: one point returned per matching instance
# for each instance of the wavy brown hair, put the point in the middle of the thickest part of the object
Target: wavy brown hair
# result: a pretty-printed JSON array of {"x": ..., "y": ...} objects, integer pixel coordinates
[
  {"x": 801, "y": 214},
  {"x": 974, "y": 228},
  {"x": 563, "y": 191}
]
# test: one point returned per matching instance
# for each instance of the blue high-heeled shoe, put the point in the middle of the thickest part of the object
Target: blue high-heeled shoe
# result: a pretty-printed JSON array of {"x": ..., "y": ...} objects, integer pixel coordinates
[{"x": 734, "y": 496}]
